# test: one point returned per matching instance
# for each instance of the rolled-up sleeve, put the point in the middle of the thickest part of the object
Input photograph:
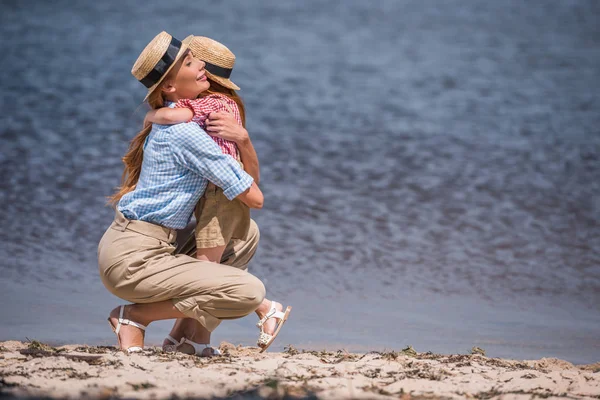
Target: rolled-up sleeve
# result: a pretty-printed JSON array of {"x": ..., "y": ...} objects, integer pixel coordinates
[{"x": 196, "y": 151}]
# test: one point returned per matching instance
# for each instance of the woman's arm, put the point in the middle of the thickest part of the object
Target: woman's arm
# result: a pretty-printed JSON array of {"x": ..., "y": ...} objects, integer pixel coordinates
[
  {"x": 249, "y": 158},
  {"x": 224, "y": 125},
  {"x": 200, "y": 154},
  {"x": 168, "y": 116}
]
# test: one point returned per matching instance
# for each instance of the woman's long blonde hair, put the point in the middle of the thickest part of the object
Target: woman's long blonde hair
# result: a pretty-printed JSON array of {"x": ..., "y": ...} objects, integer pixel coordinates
[{"x": 135, "y": 155}]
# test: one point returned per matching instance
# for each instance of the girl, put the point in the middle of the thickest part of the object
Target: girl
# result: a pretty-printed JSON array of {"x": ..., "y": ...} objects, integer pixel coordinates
[{"x": 219, "y": 220}]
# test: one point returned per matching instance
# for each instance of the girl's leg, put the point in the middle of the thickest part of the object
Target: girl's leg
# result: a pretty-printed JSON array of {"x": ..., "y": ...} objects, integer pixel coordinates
[
  {"x": 212, "y": 254},
  {"x": 188, "y": 327},
  {"x": 237, "y": 253},
  {"x": 176, "y": 332},
  {"x": 192, "y": 330},
  {"x": 195, "y": 332}
]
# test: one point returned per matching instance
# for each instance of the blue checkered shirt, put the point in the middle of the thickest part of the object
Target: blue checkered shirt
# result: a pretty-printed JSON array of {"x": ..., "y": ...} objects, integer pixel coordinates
[{"x": 179, "y": 161}]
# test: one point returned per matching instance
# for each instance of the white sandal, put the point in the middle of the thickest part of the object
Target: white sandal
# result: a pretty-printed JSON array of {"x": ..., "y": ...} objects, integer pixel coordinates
[
  {"x": 198, "y": 349},
  {"x": 264, "y": 339},
  {"x": 123, "y": 321}
]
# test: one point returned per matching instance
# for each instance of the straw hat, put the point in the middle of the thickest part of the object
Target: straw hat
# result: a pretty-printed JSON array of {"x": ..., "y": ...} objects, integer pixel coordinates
[
  {"x": 218, "y": 58},
  {"x": 157, "y": 59}
]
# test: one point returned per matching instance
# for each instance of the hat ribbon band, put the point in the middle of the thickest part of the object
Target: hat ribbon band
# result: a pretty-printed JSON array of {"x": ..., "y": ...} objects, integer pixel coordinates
[
  {"x": 219, "y": 71},
  {"x": 163, "y": 64}
]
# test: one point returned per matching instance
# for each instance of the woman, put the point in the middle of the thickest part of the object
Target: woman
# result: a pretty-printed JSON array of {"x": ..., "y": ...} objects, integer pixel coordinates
[{"x": 167, "y": 169}]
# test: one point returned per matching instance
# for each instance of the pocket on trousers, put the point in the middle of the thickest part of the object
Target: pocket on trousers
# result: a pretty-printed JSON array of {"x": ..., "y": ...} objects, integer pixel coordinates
[{"x": 146, "y": 249}]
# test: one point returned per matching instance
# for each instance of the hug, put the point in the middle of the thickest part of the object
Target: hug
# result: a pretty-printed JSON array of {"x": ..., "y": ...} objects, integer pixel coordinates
[{"x": 193, "y": 156}]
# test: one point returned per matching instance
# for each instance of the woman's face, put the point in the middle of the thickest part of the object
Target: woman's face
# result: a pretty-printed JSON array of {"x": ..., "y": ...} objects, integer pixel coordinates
[{"x": 189, "y": 79}]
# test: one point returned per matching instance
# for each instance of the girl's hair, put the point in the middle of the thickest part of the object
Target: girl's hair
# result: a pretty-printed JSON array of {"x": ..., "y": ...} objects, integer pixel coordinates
[
  {"x": 135, "y": 155},
  {"x": 232, "y": 94}
]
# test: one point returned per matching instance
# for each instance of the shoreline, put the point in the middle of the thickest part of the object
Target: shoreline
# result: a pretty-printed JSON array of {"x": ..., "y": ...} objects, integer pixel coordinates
[{"x": 73, "y": 371}]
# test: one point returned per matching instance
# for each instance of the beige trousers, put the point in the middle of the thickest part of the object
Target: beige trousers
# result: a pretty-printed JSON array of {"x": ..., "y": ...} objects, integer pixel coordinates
[{"x": 137, "y": 262}]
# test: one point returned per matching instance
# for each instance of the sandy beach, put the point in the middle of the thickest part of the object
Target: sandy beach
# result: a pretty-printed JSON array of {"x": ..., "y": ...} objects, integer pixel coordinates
[{"x": 37, "y": 370}]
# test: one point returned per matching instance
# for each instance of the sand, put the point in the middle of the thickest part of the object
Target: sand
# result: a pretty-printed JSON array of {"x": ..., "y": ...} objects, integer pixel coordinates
[{"x": 73, "y": 371}]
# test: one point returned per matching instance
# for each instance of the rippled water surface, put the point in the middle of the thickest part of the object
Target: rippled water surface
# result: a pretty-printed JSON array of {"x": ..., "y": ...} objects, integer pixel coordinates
[{"x": 431, "y": 169}]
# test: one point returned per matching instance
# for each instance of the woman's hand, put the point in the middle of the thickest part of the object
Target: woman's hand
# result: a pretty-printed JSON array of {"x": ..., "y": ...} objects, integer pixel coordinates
[{"x": 223, "y": 124}]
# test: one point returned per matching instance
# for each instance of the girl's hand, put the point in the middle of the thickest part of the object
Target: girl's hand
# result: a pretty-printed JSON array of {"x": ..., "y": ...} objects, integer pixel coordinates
[
  {"x": 224, "y": 125},
  {"x": 148, "y": 118}
]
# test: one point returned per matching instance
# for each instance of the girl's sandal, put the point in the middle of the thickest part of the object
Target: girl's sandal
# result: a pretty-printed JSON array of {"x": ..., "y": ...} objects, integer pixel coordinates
[
  {"x": 198, "y": 349},
  {"x": 123, "y": 321},
  {"x": 264, "y": 339}
]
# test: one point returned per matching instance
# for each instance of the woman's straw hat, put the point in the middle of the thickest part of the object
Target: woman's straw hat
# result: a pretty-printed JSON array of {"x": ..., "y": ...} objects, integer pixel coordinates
[
  {"x": 157, "y": 59},
  {"x": 218, "y": 58}
]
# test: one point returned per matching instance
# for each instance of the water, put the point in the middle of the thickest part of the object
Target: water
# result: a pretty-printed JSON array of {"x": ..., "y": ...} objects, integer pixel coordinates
[{"x": 430, "y": 168}]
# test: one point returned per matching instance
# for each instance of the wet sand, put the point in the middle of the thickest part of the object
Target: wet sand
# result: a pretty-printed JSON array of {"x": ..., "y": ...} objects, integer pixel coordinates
[{"x": 37, "y": 370}]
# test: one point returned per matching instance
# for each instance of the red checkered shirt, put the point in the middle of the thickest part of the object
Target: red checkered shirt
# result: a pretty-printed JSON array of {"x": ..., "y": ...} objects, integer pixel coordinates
[{"x": 203, "y": 106}]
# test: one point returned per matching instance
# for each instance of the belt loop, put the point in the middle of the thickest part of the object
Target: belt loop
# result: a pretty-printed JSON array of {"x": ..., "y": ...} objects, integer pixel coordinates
[
  {"x": 125, "y": 225},
  {"x": 121, "y": 220}
]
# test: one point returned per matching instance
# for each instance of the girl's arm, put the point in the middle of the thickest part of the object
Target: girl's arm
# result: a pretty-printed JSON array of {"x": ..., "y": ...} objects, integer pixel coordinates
[{"x": 169, "y": 116}]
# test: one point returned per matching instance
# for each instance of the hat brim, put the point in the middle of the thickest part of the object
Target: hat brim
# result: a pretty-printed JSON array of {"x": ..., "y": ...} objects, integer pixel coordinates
[
  {"x": 184, "y": 47},
  {"x": 223, "y": 81}
]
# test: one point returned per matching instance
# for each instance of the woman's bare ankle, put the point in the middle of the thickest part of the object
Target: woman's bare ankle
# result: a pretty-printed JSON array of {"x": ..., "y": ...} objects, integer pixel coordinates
[
  {"x": 134, "y": 313},
  {"x": 264, "y": 307},
  {"x": 128, "y": 335}
]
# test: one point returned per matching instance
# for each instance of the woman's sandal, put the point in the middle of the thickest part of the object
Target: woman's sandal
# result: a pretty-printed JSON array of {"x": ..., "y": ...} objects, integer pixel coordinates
[
  {"x": 264, "y": 339},
  {"x": 123, "y": 321},
  {"x": 198, "y": 349}
]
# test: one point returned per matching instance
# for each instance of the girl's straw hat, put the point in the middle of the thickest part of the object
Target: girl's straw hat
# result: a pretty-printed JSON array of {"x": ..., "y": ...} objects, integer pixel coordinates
[
  {"x": 157, "y": 59},
  {"x": 218, "y": 58}
]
